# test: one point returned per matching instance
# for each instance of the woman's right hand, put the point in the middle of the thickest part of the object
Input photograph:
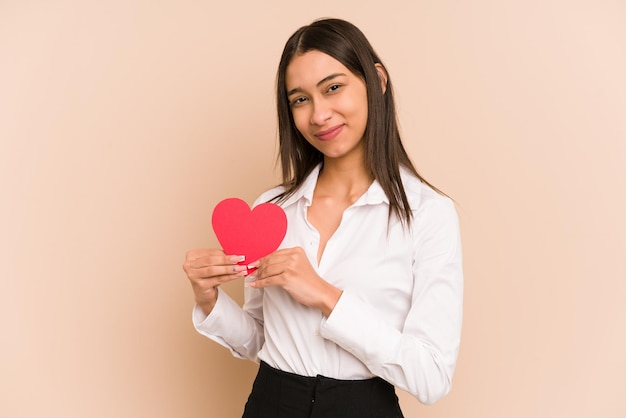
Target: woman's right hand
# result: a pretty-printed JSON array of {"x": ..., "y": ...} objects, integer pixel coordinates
[{"x": 207, "y": 269}]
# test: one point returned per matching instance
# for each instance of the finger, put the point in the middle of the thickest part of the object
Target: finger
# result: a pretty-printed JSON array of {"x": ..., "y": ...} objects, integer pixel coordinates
[
  {"x": 212, "y": 260},
  {"x": 217, "y": 271},
  {"x": 269, "y": 261},
  {"x": 272, "y": 271},
  {"x": 278, "y": 256},
  {"x": 269, "y": 276},
  {"x": 259, "y": 283},
  {"x": 229, "y": 277},
  {"x": 207, "y": 284}
]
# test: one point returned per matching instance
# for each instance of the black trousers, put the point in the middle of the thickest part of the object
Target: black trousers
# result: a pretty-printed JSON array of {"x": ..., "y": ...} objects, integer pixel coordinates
[{"x": 278, "y": 394}]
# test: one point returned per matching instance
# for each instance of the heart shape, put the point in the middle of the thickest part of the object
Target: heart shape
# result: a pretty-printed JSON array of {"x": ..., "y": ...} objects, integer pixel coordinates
[{"x": 252, "y": 233}]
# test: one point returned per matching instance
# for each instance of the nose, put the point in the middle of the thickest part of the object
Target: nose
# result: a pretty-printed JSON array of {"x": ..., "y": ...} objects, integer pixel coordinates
[{"x": 321, "y": 112}]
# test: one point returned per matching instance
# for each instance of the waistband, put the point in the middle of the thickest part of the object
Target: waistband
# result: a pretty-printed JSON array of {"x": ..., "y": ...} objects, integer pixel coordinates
[
  {"x": 266, "y": 368},
  {"x": 279, "y": 394}
]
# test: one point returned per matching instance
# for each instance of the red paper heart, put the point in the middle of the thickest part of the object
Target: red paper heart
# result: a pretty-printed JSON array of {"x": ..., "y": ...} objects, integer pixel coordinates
[{"x": 251, "y": 233}]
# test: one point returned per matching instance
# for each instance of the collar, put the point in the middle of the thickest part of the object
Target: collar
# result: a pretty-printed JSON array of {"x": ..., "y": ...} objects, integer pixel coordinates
[
  {"x": 306, "y": 189},
  {"x": 373, "y": 196}
]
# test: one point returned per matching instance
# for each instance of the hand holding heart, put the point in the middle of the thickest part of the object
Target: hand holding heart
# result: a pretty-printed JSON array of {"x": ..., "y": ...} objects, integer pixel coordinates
[
  {"x": 252, "y": 236},
  {"x": 206, "y": 270},
  {"x": 246, "y": 235},
  {"x": 290, "y": 269}
]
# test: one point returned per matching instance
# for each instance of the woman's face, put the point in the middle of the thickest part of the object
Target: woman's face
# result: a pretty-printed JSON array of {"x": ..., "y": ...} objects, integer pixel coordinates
[{"x": 328, "y": 104}]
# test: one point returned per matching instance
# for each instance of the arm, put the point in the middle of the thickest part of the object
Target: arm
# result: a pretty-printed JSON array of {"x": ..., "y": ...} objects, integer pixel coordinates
[
  {"x": 215, "y": 314},
  {"x": 238, "y": 329},
  {"x": 420, "y": 358}
]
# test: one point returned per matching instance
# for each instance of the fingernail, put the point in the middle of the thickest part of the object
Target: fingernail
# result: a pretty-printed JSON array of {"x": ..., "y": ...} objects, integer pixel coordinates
[
  {"x": 253, "y": 265},
  {"x": 237, "y": 258}
]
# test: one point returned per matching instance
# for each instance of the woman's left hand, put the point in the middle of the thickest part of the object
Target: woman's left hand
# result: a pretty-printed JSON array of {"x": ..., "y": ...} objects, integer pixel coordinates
[{"x": 290, "y": 269}]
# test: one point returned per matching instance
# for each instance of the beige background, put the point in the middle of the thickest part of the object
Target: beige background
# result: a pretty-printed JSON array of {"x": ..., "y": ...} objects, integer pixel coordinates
[{"x": 122, "y": 123}]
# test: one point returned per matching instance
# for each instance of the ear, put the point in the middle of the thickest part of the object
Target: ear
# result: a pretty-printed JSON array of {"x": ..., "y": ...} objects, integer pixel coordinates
[{"x": 382, "y": 74}]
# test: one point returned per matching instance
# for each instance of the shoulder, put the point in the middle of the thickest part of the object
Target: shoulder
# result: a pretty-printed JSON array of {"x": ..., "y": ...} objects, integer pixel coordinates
[
  {"x": 420, "y": 195},
  {"x": 304, "y": 190},
  {"x": 434, "y": 214},
  {"x": 269, "y": 195},
  {"x": 435, "y": 228}
]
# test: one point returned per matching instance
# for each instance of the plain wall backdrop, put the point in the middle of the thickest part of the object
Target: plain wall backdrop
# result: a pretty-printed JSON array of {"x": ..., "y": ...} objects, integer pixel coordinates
[{"x": 122, "y": 123}]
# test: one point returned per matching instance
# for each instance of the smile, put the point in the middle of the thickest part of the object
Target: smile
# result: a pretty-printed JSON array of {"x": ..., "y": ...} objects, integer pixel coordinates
[{"x": 329, "y": 134}]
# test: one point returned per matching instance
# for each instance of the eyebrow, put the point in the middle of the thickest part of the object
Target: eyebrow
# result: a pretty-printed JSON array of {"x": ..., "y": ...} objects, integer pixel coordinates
[{"x": 322, "y": 81}]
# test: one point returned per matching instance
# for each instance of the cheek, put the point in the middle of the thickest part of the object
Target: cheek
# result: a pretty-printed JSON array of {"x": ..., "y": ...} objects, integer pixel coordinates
[
  {"x": 358, "y": 113},
  {"x": 354, "y": 106}
]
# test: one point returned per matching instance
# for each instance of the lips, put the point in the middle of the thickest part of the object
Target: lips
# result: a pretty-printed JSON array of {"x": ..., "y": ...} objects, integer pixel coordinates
[{"x": 329, "y": 134}]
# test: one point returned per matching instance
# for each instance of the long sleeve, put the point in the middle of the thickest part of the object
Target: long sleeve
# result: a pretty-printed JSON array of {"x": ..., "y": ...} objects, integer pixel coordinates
[
  {"x": 419, "y": 358},
  {"x": 238, "y": 329}
]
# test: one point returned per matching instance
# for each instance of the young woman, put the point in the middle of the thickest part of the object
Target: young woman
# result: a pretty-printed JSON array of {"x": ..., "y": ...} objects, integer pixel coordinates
[{"x": 365, "y": 292}]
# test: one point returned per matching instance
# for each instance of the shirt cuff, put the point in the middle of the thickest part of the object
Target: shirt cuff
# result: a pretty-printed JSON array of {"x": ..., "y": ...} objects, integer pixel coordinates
[
  {"x": 229, "y": 326},
  {"x": 214, "y": 325},
  {"x": 357, "y": 329},
  {"x": 206, "y": 323}
]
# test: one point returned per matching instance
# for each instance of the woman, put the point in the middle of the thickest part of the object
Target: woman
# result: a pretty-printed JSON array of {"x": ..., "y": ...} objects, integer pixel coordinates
[{"x": 365, "y": 292}]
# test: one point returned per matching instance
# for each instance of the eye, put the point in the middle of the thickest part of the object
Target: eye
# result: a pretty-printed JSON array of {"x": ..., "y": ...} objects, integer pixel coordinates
[
  {"x": 333, "y": 88},
  {"x": 298, "y": 101}
]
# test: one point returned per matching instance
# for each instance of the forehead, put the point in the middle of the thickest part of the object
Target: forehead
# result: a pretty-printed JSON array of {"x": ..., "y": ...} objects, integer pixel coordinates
[{"x": 306, "y": 70}]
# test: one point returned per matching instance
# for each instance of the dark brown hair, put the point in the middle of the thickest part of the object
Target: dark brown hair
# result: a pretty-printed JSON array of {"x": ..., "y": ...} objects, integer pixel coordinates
[{"x": 384, "y": 152}]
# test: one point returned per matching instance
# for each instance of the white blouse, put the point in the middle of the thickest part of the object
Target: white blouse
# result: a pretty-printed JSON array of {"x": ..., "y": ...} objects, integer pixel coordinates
[{"x": 399, "y": 316}]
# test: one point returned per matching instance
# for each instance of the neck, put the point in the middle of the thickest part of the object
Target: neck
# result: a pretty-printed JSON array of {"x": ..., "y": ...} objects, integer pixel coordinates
[{"x": 343, "y": 178}]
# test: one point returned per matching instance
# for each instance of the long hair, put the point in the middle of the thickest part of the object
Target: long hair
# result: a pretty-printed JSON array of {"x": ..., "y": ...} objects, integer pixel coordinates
[{"x": 384, "y": 152}]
